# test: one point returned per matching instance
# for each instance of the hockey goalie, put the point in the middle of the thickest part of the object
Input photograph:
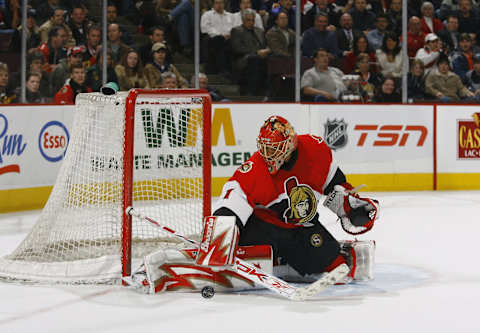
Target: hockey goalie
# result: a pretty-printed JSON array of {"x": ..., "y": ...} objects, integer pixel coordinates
[{"x": 267, "y": 214}]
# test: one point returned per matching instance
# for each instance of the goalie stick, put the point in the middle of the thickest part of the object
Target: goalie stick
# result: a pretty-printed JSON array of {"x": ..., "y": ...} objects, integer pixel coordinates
[{"x": 257, "y": 275}]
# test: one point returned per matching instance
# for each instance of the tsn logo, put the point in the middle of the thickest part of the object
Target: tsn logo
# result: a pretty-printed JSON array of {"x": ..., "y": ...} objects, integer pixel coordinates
[{"x": 391, "y": 135}]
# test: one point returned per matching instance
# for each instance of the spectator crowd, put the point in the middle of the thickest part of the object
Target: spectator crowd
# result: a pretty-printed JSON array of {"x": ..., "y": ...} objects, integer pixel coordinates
[{"x": 351, "y": 50}]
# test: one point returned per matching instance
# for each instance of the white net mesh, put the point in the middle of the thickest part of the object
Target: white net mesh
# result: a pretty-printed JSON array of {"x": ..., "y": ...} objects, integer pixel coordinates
[{"x": 78, "y": 236}]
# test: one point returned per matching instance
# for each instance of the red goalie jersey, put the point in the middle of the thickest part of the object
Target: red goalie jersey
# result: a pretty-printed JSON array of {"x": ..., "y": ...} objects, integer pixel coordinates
[{"x": 291, "y": 195}]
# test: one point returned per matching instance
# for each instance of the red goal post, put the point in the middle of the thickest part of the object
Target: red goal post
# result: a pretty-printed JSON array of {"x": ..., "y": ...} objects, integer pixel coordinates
[{"x": 128, "y": 159}]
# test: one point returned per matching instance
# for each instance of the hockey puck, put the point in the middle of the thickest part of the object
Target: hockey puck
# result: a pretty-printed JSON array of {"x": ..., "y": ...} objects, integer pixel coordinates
[{"x": 208, "y": 292}]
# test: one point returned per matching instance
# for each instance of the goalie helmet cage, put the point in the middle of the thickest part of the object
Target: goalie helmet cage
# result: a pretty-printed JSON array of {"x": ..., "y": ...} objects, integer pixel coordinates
[{"x": 149, "y": 149}]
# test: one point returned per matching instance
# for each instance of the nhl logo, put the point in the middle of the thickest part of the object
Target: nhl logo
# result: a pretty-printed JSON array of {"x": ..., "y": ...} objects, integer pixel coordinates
[{"x": 336, "y": 133}]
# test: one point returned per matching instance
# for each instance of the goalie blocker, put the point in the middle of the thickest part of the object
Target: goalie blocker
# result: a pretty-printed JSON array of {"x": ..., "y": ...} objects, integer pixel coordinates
[{"x": 191, "y": 268}]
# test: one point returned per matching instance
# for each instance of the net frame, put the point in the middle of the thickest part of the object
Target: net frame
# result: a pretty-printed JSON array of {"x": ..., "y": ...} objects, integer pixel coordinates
[{"x": 84, "y": 269}]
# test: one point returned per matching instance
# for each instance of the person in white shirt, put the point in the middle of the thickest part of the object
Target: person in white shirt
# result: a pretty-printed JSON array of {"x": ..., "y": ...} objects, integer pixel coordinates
[
  {"x": 237, "y": 17},
  {"x": 216, "y": 24},
  {"x": 430, "y": 52}
]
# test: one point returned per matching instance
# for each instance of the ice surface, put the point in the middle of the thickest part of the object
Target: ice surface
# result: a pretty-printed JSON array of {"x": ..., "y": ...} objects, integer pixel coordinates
[{"x": 427, "y": 280}]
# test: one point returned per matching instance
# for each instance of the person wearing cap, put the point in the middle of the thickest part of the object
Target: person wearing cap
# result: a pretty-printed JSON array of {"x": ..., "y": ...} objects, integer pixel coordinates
[
  {"x": 472, "y": 78},
  {"x": 33, "y": 35},
  {"x": 462, "y": 60},
  {"x": 159, "y": 65},
  {"x": 62, "y": 72},
  {"x": 74, "y": 86},
  {"x": 430, "y": 52},
  {"x": 445, "y": 85}
]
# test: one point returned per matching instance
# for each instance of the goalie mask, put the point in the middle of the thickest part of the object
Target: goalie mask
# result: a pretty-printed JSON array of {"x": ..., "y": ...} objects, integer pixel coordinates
[{"x": 276, "y": 141}]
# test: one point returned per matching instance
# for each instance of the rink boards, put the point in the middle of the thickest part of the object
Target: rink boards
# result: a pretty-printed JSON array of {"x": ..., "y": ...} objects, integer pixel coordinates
[{"x": 386, "y": 147}]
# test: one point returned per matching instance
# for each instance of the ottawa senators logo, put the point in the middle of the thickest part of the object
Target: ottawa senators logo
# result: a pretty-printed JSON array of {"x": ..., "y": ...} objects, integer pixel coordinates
[
  {"x": 302, "y": 203},
  {"x": 246, "y": 167}
]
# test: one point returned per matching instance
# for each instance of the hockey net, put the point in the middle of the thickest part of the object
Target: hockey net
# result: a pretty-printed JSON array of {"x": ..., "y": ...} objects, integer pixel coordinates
[{"x": 147, "y": 149}]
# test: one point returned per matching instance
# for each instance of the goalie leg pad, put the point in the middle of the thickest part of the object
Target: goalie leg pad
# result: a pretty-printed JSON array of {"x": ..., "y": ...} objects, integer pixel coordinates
[
  {"x": 360, "y": 256},
  {"x": 219, "y": 241},
  {"x": 174, "y": 269}
]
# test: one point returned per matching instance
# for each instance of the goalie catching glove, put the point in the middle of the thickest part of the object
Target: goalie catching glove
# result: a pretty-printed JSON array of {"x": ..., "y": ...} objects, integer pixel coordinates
[{"x": 356, "y": 214}]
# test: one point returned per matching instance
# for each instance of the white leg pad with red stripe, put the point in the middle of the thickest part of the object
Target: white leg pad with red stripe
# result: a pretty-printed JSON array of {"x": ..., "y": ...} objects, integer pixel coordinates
[
  {"x": 219, "y": 241},
  {"x": 174, "y": 269}
]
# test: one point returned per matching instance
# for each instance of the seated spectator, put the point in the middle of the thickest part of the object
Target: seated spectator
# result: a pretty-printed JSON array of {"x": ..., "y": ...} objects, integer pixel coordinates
[
  {"x": 283, "y": 6},
  {"x": 130, "y": 72},
  {"x": 10, "y": 15},
  {"x": 375, "y": 36},
  {"x": 78, "y": 24},
  {"x": 92, "y": 46},
  {"x": 416, "y": 81},
  {"x": 217, "y": 24},
  {"x": 74, "y": 86},
  {"x": 319, "y": 37},
  {"x": 7, "y": 95},
  {"x": 321, "y": 6},
  {"x": 203, "y": 84},
  {"x": 280, "y": 38},
  {"x": 430, "y": 52},
  {"x": 449, "y": 36},
  {"x": 415, "y": 36},
  {"x": 32, "y": 89},
  {"x": 387, "y": 92},
  {"x": 346, "y": 35},
  {"x": 56, "y": 20},
  {"x": 445, "y": 85},
  {"x": 322, "y": 83},
  {"x": 363, "y": 19},
  {"x": 36, "y": 64},
  {"x": 368, "y": 79},
  {"x": 54, "y": 49},
  {"x": 45, "y": 10},
  {"x": 122, "y": 22},
  {"x": 33, "y": 35},
  {"x": 62, "y": 72},
  {"x": 156, "y": 35},
  {"x": 472, "y": 77},
  {"x": 360, "y": 46},
  {"x": 389, "y": 57},
  {"x": 354, "y": 91},
  {"x": 94, "y": 75},
  {"x": 395, "y": 16},
  {"x": 430, "y": 24},
  {"x": 250, "y": 52},
  {"x": 168, "y": 81},
  {"x": 237, "y": 17},
  {"x": 119, "y": 49},
  {"x": 462, "y": 60},
  {"x": 468, "y": 20},
  {"x": 154, "y": 70}
]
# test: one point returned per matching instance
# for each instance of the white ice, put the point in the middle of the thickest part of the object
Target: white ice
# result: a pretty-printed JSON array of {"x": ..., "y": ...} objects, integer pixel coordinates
[{"x": 427, "y": 280}]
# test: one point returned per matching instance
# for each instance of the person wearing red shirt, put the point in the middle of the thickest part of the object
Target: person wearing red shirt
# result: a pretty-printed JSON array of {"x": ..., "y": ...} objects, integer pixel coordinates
[
  {"x": 74, "y": 86},
  {"x": 415, "y": 36},
  {"x": 429, "y": 22}
]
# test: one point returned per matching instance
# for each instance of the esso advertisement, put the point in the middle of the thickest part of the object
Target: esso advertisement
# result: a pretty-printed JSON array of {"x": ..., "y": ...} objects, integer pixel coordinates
[{"x": 53, "y": 141}]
